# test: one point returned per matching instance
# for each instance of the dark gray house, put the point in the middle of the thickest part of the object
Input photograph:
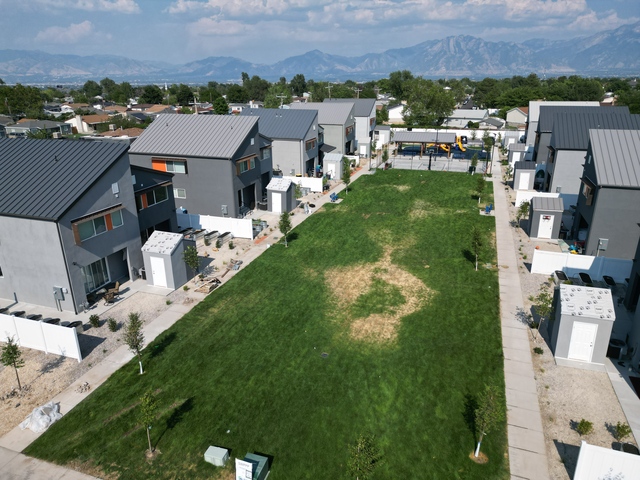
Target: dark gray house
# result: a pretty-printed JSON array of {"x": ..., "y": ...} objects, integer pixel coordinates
[
  {"x": 68, "y": 222},
  {"x": 546, "y": 119},
  {"x": 293, "y": 135},
  {"x": 607, "y": 217},
  {"x": 364, "y": 111},
  {"x": 338, "y": 122},
  {"x": 154, "y": 201},
  {"x": 221, "y": 164},
  {"x": 569, "y": 141}
]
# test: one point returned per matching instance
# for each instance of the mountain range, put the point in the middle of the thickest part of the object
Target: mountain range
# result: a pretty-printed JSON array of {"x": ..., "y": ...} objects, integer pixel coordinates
[{"x": 607, "y": 53}]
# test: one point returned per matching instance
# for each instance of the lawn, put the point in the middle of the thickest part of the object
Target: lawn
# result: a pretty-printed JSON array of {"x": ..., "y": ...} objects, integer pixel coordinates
[{"x": 373, "y": 321}]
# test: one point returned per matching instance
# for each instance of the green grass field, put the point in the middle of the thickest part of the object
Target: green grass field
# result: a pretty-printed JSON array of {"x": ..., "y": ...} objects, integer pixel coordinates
[{"x": 244, "y": 369}]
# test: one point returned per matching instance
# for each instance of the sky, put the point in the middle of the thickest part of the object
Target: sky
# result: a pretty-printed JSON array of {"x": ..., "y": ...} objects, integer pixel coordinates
[{"x": 266, "y": 31}]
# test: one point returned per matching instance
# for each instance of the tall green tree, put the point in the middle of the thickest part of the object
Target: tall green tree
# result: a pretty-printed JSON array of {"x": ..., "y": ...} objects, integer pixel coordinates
[
  {"x": 220, "y": 106},
  {"x": 109, "y": 87},
  {"x": 298, "y": 84},
  {"x": 92, "y": 89},
  {"x": 489, "y": 414},
  {"x": 543, "y": 306},
  {"x": 184, "y": 95},
  {"x": 284, "y": 225},
  {"x": 427, "y": 103},
  {"x": 147, "y": 414},
  {"x": 346, "y": 173},
  {"x": 277, "y": 95},
  {"x": 398, "y": 82},
  {"x": 11, "y": 356},
  {"x": 133, "y": 337},
  {"x": 191, "y": 258},
  {"x": 237, "y": 94},
  {"x": 151, "y": 94}
]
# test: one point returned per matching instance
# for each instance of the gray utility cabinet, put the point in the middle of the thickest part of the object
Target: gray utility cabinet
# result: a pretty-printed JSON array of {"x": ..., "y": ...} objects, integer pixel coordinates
[
  {"x": 582, "y": 326},
  {"x": 524, "y": 174},
  {"x": 163, "y": 262},
  {"x": 281, "y": 195},
  {"x": 545, "y": 217}
]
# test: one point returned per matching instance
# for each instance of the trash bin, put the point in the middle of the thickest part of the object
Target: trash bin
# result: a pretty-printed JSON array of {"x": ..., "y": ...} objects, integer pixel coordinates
[{"x": 472, "y": 170}]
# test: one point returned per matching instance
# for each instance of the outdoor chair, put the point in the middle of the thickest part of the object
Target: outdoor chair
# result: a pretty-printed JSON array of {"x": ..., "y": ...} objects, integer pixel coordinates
[
  {"x": 609, "y": 281},
  {"x": 560, "y": 276}
]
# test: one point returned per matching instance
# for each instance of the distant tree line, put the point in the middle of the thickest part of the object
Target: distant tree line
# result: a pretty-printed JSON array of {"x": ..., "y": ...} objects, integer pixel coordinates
[{"x": 428, "y": 101}]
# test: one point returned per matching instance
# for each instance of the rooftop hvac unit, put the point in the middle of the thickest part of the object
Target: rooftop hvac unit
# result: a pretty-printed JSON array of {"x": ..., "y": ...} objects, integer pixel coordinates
[
  {"x": 56, "y": 135},
  {"x": 112, "y": 127}
]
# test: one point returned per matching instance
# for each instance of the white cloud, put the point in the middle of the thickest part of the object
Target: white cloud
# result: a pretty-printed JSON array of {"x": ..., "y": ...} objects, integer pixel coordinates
[
  {"x": 213, "y": 26},
  {"x": 64, "y": 35},
  {"x": 237, "y": 8},
  {"x": 119, "y": 6}
]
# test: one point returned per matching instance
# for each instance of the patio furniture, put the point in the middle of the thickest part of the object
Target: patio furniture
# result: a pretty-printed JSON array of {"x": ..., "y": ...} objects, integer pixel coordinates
[
  {"x": 77, "y": 325},
  {"x": 561, "y": 276},
  {"x": 630, "y": 448},
  {"x": 18, "y": 313},
  {"x": 34, "y": 316},
  {"x": 585, "y": 278},
  {"x": 111, "y": 294},
  {"x": 4, "y": 310},
  {"x": 52, "y": 321},
  {"x": 609, "y": 281}
]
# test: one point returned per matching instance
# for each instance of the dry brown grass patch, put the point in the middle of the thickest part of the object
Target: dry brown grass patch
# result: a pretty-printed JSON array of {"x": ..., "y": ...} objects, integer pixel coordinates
[{"x": 348, "y": 283}]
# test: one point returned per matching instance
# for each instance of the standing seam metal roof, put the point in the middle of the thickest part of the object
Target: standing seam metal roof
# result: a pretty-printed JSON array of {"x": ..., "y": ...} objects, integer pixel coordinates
[
  {"x": 44, "y": 178},
  {"x": 424, "y": 137},
  {"x": 362, "y": 107},
  {"x": 334, "y": 113},
  {"x": 571, "y": 130},
  {"x": 212, "y": 136},
  {"x": 278, "y": 123},
  {"x": 616, "y": 154},
  {"x": 549, "y": 204},
  {"x": 547, "y": 113}
]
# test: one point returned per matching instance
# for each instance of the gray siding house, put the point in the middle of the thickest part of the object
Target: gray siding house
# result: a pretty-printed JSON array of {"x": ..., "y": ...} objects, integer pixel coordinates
[
  {"x": 293, "y": 135},
  {"x": 608, "y": 212},
  {"x": 338, "y": 122},
  {"x": 221, "y": 164},
  {"x": 533, "y": 116},
  {"x": 364, "y": 110},
  {"x": 154, "y": 201},
  {"x": 68, "y": 221},
  {"x": 569, "y": 141}
]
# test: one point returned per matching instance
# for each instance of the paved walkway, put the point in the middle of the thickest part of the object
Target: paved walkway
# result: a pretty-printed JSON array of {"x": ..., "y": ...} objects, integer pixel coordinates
[
  {"x": 527, "y": 450},
  {"x": 16, "y": 466}
]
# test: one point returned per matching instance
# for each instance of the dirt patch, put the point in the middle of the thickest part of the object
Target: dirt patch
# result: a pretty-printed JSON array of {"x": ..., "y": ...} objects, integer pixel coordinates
[
  {"x": 480, "y": 459},
  {"x": 420, "y": 209},
  {"x": 402, "y": 188},
  {"x": 349, "y": 283}
]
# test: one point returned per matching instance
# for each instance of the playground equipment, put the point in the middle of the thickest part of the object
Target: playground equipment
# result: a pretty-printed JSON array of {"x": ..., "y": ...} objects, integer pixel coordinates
[{"x": 460, "y": 145}]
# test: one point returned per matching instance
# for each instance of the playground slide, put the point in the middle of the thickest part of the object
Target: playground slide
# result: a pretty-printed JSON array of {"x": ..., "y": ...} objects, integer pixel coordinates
[
  {"x": 445, "y": 147},
  {"x": 460, "y": 145}
]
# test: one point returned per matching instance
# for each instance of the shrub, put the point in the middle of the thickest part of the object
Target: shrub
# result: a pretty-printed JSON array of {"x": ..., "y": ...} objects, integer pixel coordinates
[
  {"x": 207, "y": 242},
  {"x": 185, "y": 288},
  {"x": 538, "y": 350},
  {"x": 535, "y": 324},
  {"x": 112, "y": 324},
  {"x": 584, "y": 427},
  {"x": 231, "y": 245},
  {"x": 218, "y": 243},
  {"x": 94, "y": 320},
  {"x": 621, "y": 431},
  {"x": 168, "y": 302}
]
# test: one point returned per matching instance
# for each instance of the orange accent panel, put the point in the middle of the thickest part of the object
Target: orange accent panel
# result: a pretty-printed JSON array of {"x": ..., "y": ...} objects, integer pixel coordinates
[
  {"x": 160, "y": 165},
  {"x": 144, "y": 200},
  {"x": 107, "y": 219}
]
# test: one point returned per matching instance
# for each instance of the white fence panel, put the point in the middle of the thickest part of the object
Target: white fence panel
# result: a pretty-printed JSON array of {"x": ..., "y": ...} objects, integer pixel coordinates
[
  {"x": 41, "y": 336},
  {"x": 548, "y": 262},
  {"x": 239, "y": 227},
  {"x": 314, "y": 184},
  {"x": 526, "y": 196}
]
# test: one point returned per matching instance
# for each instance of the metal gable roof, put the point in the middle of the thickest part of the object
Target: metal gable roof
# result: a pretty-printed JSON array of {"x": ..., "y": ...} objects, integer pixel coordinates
[
  {"x": 276, "y": 123},
  {"x": 549, "y": 204},
  {"x": 362, "y": 107},
  {"x": 331, "y": 113},
  {"x": 44, "y": 178},
  {"x": 571, "y": 130},
  {"x": 424, "y": 137},
  {"x": 616, "y": 154},
  {"x": 213, "y": 136},
  {"x": 545, "y": 123}
]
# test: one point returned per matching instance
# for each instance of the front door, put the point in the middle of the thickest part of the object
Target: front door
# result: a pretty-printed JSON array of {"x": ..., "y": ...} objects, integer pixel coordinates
[
  {"x": 276, "y": 202},
  {"x": 158, "y": 275},
  {"x": 583, "y": 338},
  {"x": 545, "y": 228},
  {"x": 523, "y": 184}
]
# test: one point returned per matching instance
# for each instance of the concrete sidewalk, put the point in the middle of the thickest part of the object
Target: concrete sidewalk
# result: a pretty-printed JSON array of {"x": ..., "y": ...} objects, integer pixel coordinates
[{"x": 527, "y": 451}]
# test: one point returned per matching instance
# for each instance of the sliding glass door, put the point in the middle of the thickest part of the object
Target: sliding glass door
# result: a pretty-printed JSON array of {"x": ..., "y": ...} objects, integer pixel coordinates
[{"x": 95, "y": 275}]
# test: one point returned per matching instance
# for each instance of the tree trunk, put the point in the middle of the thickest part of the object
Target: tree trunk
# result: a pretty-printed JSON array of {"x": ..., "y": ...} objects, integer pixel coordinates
[
  {"x": 535, "y": 337},
  {"x": 140, "y": 363},
  {"x": 149, "y": 439},
  {"x": 476, "y": 262},
  {"x": 477, "y": 452},
  {"x": 17, "y": 377},
  {"x": 285, "y": 241}
]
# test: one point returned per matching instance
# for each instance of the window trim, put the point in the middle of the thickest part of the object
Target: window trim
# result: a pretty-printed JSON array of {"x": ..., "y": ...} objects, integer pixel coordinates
[
  {"x": 142, "y": 201},
  {"x": 310, "y": 144},
  {"x": 249, "y": 162},
  {"x": 175, "y": 192},
  {"x": 105, "y": 214},
  {"x": 161, "y": 164}
]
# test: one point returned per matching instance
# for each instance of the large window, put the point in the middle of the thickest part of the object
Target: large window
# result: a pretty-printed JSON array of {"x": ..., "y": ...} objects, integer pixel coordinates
[
  {"x": 310, "y": 144},
  {"x": 95, "y": 275},
  {"x": 266, "y": 153},
  {"x": 151, "y": 197},
  {"x": 179, "y": 193},
  {"x": 245, "y": 165},
  {"x": 348, "y": 130},
  {"x": 169, "y": 165},
  {"x": 587, "y": 191},
  {"x": 84, "y": 229}
]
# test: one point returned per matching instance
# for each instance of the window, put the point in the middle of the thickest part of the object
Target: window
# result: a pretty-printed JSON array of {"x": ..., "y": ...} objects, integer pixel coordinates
[
  {"x": 151, "y": 197},
  {"x": 587, "y": 191},
  {"x": 179, "y": 193},
  {"x": 168, "y": 165},
  {"x": 348, "y": 130},
  {"x": 95, "y": 275},
  {"x": 1, "y": 273},
  {"x": 266, "y": 153},
  {"x": 310, "y": 144},
  {"x": 245, "y": 165},
  {"x": 85, "y": 229}
]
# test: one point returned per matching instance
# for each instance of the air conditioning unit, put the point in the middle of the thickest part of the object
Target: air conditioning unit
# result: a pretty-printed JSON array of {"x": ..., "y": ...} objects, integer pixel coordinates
[
  {"x": 112, "y": 127},
  {"x": 56, "y": 135}
]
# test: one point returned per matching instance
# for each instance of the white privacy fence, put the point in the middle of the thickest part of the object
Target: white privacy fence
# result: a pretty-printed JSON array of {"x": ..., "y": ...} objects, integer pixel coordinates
[
  {"x": 548, "y": 262},
  {"x": 526, "y": 196},
  {"x": 313, "y": 184},
  {"x": 40, "y": 336},
  {"x": 239, "y": 227}
]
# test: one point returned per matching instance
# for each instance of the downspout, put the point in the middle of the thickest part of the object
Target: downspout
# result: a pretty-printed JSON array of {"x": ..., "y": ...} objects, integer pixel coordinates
[{"x": 66, "y": 266}]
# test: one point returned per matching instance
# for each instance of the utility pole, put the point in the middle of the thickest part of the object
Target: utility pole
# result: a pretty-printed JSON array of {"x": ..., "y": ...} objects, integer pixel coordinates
[
  {"x": 281, "y": 97},
  {"x": 357, "y": 90},
  {"x": 329, "y": 87}
]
